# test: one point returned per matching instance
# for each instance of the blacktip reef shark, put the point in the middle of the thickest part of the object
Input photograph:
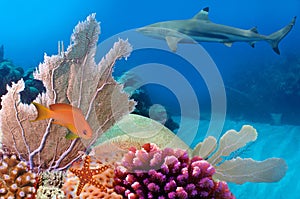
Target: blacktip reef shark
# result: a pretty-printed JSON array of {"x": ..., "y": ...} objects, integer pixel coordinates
[{"x": 201, "y": 29}]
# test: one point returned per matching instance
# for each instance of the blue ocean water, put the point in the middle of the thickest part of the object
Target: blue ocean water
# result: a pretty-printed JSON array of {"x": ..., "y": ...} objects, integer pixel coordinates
[{"x": 258, "y": 82}]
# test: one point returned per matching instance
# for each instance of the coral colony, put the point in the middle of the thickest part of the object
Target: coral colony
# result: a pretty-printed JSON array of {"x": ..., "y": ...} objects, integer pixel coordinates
[
  {"x": 37, "y": 160},
  {"x": 17, "y": 181},
  {"x": 169, "y": 173}
]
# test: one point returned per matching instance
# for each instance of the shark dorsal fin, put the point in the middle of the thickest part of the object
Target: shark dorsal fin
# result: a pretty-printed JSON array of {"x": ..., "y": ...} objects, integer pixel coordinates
[{"x": 202, "y": 15}]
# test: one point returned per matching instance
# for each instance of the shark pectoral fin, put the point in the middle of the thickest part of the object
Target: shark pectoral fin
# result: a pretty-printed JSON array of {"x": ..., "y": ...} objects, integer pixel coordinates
[
  {"x": 228, "y": 44},
  {"x": 254, "y": 29},
  {"x": 71, "y": 136},
  {"x": 252, "y": 44},
  {"x": 172, "y": 42}
]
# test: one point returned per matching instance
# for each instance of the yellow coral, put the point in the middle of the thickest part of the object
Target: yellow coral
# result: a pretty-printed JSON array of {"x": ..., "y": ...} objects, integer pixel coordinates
[{"x": 16, "y": 181}]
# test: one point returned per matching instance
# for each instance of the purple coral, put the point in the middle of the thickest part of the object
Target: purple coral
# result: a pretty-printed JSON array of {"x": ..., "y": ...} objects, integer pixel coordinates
[{"x": 169, "y": 173}]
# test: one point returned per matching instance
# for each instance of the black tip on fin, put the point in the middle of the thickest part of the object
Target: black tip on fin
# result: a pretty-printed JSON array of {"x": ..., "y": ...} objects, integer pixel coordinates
[
  {"x": 206, "y": 9},
  {"x": 294, "y": 20},
  {"x": 276, "y": 50}
]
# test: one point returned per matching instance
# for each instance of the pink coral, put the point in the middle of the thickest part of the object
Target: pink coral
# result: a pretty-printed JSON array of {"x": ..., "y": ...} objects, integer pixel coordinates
[{"x": 169, "y": 173}]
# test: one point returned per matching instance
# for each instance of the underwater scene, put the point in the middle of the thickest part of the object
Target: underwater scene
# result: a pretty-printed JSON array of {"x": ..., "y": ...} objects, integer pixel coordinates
[{"x": 149, "y": 99}]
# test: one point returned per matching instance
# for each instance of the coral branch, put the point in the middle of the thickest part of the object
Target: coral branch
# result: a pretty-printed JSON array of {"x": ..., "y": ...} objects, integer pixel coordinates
[
  {"x": 40, "y": 148},
  {"x": 21, "y": 127},
  {"x": 65, "y": 154}
]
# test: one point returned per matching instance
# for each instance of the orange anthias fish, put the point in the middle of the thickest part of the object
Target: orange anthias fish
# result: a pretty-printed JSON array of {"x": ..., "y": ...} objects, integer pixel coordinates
[{"x": 68, "y": 116}]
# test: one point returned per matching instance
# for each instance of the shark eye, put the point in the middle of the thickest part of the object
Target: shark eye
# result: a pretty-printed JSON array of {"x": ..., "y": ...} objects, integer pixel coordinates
[{"x": 84, "y": 132}]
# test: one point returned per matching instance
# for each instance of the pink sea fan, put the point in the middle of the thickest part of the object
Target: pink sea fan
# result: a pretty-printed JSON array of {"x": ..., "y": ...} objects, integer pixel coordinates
[{"x": 169, "y": 173}]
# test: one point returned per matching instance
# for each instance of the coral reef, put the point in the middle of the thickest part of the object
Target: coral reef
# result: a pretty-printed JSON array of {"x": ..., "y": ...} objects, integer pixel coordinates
[
  {"x": 33, "y": 87},
  {"x": 250, "y": 90},
  {"x": 16, "y": 181},
  {"x": 74, "y": 78},
  {"x": 90, "y": 180},
  {"x": 168, "y": 173},
  {"x": 116, "y": 142},
  {"x": 8, "y": 73},
  {"x": 71, "y": 77},
  {"x": 50, "y": 185}
]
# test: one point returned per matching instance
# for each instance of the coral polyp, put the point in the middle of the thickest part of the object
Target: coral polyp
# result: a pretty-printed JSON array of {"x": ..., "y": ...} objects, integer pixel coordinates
[
  {"x": 16, "y": 181},
  {"x": 168, "y": 173}
]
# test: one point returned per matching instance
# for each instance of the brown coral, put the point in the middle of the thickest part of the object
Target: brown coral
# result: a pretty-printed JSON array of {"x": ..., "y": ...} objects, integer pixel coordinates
[
  {"x": 71, "y": 77},
  {"x": 16, "y": 181},
  {"x": 73, "y": 184}
]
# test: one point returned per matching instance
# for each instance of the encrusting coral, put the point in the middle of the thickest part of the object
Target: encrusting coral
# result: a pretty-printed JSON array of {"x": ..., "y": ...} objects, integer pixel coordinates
[
  {"x": 49, "y": 192},
  {"x": 70, "y": 77},
  {"x": 134, "y": 131},
  {"x": 90, "y": 180},
  {"x": 168, "y": 173},
  {"x": 50, "y": 185},
  {"x": 16, "y": 181}
]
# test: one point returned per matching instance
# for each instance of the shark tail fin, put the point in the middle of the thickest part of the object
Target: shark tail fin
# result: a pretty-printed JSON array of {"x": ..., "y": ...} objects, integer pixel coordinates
[{"x": 277, "y": 36}]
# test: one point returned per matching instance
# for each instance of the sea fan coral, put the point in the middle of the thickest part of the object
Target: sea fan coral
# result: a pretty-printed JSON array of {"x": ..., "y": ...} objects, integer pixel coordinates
[
  {"x": 168, "y": 173},
  {"x": 16, "y": 181},
  {"x": 74, "y": 78}
]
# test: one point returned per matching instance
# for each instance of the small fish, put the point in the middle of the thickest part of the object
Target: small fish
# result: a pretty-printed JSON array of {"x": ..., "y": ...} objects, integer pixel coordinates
[{"x": 68, "y": 116}]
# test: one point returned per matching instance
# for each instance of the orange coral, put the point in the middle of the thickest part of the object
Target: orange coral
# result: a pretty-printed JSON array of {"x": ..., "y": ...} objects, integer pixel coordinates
[
  {"x": 75, "y": 187},
  {"x": 85, "y": 175}
]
